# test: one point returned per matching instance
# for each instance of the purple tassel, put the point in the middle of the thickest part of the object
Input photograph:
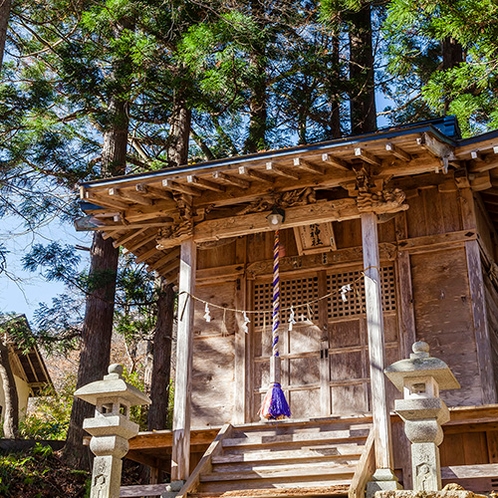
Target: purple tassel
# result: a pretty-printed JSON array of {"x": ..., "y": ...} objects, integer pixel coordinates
[{"x": 275, "y": 406}]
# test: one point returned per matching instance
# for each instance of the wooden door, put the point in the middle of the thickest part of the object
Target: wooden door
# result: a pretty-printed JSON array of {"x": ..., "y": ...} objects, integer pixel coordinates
[{"x": 325, "y": 364}]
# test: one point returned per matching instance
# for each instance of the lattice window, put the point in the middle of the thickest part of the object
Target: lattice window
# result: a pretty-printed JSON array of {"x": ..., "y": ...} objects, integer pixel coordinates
[
  {"x": 293, "y": 292},
  {"x": 299, "y": 291},
  {"x": 355, "y": 299}
]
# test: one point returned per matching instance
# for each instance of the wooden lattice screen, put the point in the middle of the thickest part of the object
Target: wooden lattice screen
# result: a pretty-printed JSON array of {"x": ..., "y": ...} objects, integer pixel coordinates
[{"x": 295, "y": 292}]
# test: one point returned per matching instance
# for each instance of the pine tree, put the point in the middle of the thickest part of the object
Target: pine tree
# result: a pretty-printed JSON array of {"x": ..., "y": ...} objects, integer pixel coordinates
[{"x": 459, "y": 40}]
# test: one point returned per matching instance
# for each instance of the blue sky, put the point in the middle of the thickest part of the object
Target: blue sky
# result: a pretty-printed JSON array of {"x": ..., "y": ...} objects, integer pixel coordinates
[{"x": 21, "y": 291}]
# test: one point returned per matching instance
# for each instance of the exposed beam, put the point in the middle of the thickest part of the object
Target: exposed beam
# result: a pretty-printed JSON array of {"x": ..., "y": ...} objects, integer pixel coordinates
[
  {"x": 105, "y": 201},
  {"x": 130, "y": 196},
  {"x": 335, "y": 162},
  {"x": 484, "y": 145},
  {"x": 136, "y": 245},
  {"x": 128, "y": 236},
  {"x": 233, "y": 226},
  {"x": 155, "y": 191},
  {"x": 480, "y": 181},
  {"x": 480, "y": 165},
  {"x": 308, "y": 166},
  {"x": 198, "y": 180},
  {"x": 397, "y": 152},
  {"x": 169, "y": 267},
  {"x": 146, "y": 255},
  {"x": 179, "y": 187},
  {"x": 256, "y": 174},
  {"x": 164, "y": 260},
  {"x": 271, "y": 166},
  {"x": 438, "y": 149},
  {"x": 367, "y": 157},
  {"x": 232, "y": 180},
  {"x": 132, "y": 226}
]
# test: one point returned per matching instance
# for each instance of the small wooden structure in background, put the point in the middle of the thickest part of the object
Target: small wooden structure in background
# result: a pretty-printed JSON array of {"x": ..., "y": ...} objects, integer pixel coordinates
[
  {"x": 410, "y": 218},
  {"x": 28, "y": 367}
]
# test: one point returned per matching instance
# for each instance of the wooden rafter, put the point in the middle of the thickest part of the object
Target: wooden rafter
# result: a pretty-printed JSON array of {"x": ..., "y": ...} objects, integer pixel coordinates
[
  {"x": 281, "y": 170},
  {"x": 130, "y": 196},
  {"x": 397, "y": 152},
  {"x": 367, "y": 157},
  {"x": 256, "y": 174},
  {"x": 179, "y": 187},
  {"x": 202, "y": 182},
  {"x": 335, "y": 162},
  {"x": 232, "y": 180},
  {"x": 153, "y": 191},
  {"x": 308, "y": 166}
]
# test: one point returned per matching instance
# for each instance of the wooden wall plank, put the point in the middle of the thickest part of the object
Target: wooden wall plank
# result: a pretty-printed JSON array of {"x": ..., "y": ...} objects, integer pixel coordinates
[
  {"x": 442, "y": 315},
  {"x": 433, "y": 210},
  {"x": 480, "y": 319},
  {"x": 452, "y": 218},
  {"x": 416, "y": 217},
  {"x": 406, "y": 312}
]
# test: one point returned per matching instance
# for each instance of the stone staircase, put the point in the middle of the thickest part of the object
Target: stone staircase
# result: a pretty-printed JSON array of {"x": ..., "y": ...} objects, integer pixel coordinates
[{"x": 288, "y": 458}]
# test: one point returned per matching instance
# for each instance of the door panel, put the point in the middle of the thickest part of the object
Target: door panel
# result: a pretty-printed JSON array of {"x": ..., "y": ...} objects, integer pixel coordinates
[{"x": 324, "y": 355}]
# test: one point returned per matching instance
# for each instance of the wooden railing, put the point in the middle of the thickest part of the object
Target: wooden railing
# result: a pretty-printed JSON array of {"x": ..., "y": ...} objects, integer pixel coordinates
[
  {"x": 205, "y": 464},
  {"x": 364, "y": 469}
]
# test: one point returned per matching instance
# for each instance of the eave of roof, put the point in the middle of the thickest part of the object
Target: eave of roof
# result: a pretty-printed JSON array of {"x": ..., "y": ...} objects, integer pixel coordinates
[{"x": 321, "y": 147}]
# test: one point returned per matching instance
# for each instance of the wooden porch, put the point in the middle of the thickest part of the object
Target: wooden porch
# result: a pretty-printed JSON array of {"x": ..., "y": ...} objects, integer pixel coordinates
[{"x": 315, "y": 457}]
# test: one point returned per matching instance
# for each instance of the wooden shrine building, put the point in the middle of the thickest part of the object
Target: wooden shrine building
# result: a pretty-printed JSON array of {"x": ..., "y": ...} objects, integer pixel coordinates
[{"x": 387, "y": 238}]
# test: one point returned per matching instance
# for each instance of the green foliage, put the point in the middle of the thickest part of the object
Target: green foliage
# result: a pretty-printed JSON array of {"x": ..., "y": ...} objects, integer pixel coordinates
[
  {"x": 49, "y": 417},
  {"x": 467, "y": 89},
  {"x": 38, "y": 473}
]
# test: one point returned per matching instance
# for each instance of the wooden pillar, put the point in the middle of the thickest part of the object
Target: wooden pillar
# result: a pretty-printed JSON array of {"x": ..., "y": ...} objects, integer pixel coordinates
[
  {"x": 180, "y": 458},
  {"x": 375, "y": 328},
  {"x": 241, "y": 340}
]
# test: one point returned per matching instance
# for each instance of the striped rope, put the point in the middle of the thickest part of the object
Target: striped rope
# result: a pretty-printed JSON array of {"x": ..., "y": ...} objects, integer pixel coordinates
[{"x": 276, "y": 294}]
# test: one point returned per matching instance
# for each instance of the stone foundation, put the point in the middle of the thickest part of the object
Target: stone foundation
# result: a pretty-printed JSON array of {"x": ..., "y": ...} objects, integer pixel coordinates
[{"x": 447, "y": 492}]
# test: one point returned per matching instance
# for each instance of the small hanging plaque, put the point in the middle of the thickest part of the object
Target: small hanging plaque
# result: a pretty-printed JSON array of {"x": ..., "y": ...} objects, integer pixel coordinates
[{"x": 315, "y": 238}]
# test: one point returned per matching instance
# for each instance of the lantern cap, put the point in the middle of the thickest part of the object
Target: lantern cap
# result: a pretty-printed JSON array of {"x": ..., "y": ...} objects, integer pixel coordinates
[
  {"x": 421, "y": 364},
  {"x": 111, "y": 386}
]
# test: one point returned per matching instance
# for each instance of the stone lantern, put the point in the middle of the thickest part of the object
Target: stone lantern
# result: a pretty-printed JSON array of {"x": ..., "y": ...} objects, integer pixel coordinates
[
  {"x": 111, "y": 428},
  {"x": 420, "y": 379}
]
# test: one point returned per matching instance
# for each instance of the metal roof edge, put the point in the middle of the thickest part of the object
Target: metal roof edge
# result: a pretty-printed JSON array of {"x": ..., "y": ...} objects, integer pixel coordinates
[
  {"x": 391, "y": 132},
  {"x": 478, "y": 138}
]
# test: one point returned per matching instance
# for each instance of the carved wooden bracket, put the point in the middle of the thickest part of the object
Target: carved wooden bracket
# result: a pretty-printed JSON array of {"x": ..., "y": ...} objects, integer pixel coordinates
[
  {"x": 299, "y": 197},
  {"x": 372, "y": 196}
]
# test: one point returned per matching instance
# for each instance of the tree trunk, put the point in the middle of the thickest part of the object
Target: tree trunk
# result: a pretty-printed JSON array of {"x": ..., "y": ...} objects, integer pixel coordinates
[
  {"x": 258, "y": 113},
  {"x": 99, "y": 312},
  {"x": 452, "y": 56},
  {"x": 361, "y": 72},
  {"x": 335, "y": 115},
  {"x": 179, "y": 133},
  {"x": 11, "y": 408},
  {"x": 4, "y": 22},
  {"x": 161, "y": 366}
]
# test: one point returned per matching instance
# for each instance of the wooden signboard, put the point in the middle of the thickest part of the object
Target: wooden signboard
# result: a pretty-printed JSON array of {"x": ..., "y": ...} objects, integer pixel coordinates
[{"x": 315, "y": 238}]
